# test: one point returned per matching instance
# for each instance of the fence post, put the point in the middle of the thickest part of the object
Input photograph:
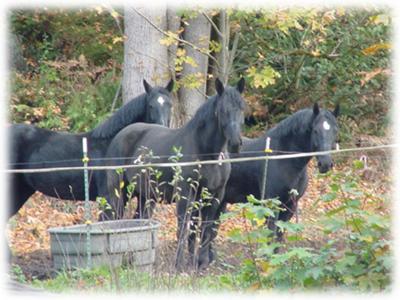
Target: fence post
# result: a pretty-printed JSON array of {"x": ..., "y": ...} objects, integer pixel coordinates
[
  {"x": 88, "y": 222},
  {"x": 264, "y": 177}
]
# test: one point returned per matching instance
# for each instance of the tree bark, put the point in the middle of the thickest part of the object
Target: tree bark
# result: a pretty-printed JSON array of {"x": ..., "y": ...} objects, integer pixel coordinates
[
  {"x": 197, "y": 33},
  {"x": 222, "y": 34},
  {"x": 173, "y": 25},
  {"x": 17, "y": 60},
  {"x": 144, "y": 56}
]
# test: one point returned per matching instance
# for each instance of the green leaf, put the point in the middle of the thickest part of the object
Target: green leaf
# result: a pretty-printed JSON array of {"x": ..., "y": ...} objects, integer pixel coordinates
[
  {"x": 290, "y": 227},
  {"x": 329, "y": 197},
  {"x": 315, "y": 272},
  {"x": 264, "y": 77}
]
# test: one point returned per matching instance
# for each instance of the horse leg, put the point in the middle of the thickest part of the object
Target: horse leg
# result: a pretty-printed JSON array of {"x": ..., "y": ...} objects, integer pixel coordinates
[
  {"x": 290, "y": 205},
  {"x": 210, "y": 223},
  {"x": 192, "y": 238},
  {"x": 20, "y": 193},
  {"x": 115, "y": 196},
  {"x": 145, "y": 208},
  {"x": 146, "y": 204},
  {"x": 290, "y": 208},
  {"x": 183, "y": 207}
]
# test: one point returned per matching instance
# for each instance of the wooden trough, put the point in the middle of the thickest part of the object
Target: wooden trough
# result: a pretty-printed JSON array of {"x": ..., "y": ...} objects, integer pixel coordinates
[{"x": 112, "y": 243}]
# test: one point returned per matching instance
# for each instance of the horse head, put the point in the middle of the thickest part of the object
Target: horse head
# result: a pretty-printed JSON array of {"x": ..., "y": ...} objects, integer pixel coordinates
[
  {"x": 230, "y": 113},
  {"x": 324, "y": 135},
  {"x": 158, "y": 103}
]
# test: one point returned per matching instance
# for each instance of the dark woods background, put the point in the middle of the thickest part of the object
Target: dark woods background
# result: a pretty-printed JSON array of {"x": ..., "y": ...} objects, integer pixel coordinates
[{"x": 67, "y": 64}]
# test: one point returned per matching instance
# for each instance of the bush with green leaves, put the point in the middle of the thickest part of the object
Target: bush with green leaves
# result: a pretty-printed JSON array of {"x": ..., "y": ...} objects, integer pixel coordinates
[
  {"x": 353, "y": 251},
  {"x": 294, "y": 57},
  {"x": 73, "y": 72}
]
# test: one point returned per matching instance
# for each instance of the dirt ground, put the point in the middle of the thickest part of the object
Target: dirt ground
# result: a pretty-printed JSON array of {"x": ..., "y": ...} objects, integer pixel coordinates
[{"x": 30, "y": 242}]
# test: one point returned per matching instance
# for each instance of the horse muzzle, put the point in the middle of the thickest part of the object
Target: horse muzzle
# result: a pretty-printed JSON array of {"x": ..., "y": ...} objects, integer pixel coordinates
[
  {"x": 234, "y": 147},
  {"x": 324, "y": 164}
]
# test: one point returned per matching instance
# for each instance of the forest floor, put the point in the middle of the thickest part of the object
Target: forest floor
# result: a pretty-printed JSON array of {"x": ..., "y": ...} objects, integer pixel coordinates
[{"x": 29, "y": 239}]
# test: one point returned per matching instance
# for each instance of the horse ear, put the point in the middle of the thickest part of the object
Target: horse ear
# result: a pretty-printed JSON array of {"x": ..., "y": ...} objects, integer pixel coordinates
[
  {"x": 316, "y": 109},
  {"x": 219, "y": 87},
  {"x": 240, "y": 85},
  {"x": 336, "y": 111},
  {"x": 147, "y": 86},
  {"x": 170, "y": 85}
]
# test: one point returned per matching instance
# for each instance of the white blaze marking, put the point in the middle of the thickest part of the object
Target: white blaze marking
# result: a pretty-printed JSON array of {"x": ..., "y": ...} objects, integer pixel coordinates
[
  {"x": 161, "y": 100},
  {"x": 326, "y": 125}
]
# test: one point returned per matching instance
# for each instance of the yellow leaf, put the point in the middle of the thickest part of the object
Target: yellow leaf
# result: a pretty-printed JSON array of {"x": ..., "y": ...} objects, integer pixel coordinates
[
  {"x": 180, "y": 52},
  {"x": 170, "y": 39},
  {"x": 117, "y": 39},
  {"x": 121, "y": 184},
  {"x": 369, "y": 75},
  {"x": 375, "y": 48},
  {"x": 380, "y": 19},
  {"x": 114, "y": 14},
  {"x": 315, "y": 53},
  {"x": 255, "y": 286},
  {"x": 264, "y": 266},
  {"x": 340, "y": 11},
  {"x": 99, "y": 9}
]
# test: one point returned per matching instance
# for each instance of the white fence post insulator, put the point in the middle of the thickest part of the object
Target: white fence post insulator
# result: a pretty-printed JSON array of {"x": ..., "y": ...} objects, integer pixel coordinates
[
  {"x": 364, "y": 160},
  {"x": 221, "y": 157},
  {"x": 88, "y": 222},
  {"x": 337, "y": 147}
]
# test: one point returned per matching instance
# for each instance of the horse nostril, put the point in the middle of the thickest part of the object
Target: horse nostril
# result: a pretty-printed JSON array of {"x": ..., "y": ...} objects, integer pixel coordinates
[{"x": 319, "y": 164}]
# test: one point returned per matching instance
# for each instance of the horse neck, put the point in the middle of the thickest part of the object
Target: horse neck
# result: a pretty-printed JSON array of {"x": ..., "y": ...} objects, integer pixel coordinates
[
  {"x": 131, "y": 112},
  {"x": 216, "y": 141},
  {"x": 208, "y": 137},
  {"x": 293, "y": 141}
]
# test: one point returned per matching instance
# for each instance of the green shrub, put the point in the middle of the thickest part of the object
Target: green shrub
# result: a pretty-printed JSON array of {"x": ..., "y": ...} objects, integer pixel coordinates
[{"x": 355, "y": 250}]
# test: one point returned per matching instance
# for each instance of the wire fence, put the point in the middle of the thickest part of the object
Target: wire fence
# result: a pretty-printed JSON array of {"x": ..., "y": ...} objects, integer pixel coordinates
[{"x": 266, "y": 156}]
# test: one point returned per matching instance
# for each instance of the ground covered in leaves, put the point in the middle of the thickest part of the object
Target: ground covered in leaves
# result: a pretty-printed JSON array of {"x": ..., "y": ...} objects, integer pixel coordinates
[{"x": 29, "y": 239}]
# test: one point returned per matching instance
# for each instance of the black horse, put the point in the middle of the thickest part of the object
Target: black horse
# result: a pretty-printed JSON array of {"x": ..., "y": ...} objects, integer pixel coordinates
[
  {"x": 307, "y": 130},
  {"x": 33, "y": 147},
  {"x": 214, "y": 129}
]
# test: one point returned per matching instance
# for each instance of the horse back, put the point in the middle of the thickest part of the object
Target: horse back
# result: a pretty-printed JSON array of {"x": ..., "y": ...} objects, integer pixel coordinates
[{"x": 129, "y": 139}]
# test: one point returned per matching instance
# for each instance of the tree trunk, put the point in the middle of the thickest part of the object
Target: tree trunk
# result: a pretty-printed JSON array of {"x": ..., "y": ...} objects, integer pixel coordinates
[
  {"x": 173, "y": 25},
  {"x": 197, "y": 33},
  {"x": 222, "y": 34},
  {"x": 17, "y": 60},
  {"x": 144, "y": 56}
]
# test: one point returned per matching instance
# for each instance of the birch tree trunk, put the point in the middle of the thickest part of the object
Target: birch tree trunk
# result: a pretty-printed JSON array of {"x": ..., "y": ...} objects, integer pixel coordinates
[
  {"x": 144, "y": 56},
  {"x": 196, "y": 32}
]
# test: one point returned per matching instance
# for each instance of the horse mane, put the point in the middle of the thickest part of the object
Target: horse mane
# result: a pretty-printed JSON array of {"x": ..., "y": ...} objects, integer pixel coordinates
[
  {"x": 129, "y": 113},
  {"x": 207, "y": 110},
  {"x": 203, "y": 113},
  {"x": 299, "y": 123}
]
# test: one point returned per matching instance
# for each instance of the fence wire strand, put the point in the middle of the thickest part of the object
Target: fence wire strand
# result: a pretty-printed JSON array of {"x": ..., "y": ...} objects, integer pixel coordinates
[{"x": 202, "y": 162}]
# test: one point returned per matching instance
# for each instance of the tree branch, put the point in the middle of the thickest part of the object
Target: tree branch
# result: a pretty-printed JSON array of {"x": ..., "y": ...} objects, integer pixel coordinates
[
  {"x": 176, "y": 38},
  {"x": 213, "y": 24},
  {"x": 232, "y": 52},
  {"x": 116, "y": 96},
  {"x": 299, "y": 52}
]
